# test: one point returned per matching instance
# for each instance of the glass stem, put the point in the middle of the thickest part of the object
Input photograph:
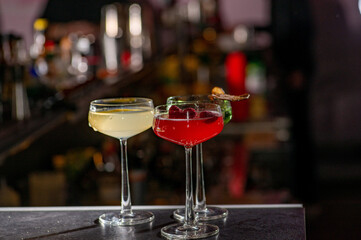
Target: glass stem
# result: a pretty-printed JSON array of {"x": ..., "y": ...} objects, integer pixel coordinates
[
  {"x": 126, "y": 204},
  {"x": 200, "y": 188},
  {"x": 189, "y": 216}
]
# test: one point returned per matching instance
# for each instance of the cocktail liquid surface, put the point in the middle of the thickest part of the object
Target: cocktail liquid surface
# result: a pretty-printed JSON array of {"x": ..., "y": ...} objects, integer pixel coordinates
[
  {"x": 122, "y": 123},
  {"x": 188, "y": 132}
]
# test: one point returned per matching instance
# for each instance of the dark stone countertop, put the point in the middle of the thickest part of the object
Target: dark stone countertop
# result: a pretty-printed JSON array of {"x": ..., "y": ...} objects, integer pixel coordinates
[{"x": 248, "y": 222}]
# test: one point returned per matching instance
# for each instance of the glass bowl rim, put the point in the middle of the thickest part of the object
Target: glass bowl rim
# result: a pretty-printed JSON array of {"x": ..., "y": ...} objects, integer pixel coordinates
[
  {"x": 113, "y": 101},
  {"x": 164, "y": 108}
]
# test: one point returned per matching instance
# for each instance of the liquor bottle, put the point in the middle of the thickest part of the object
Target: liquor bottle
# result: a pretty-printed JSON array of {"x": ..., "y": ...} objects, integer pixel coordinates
[
  {"x": 235, "y": 65},
  {"x": 19, "y": 101},
  {"x": 37, "y": 47},
  {"x": 256, "y": 85},
  {"x": 2, "y": 76},
  {"x": 6, "y": 84}
]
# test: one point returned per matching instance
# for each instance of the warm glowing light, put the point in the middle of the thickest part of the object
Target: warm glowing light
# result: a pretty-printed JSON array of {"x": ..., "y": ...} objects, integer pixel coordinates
[
  {"x": 135, "y": 20},
  {"x": 111, "y": 22},
  {"x": 83, "y": 66},
  {"x": 240, "y": 34},
  {"x": 59, "y": 161},
  {"x": 83, "y": 45},
  {"x": 98, "y": 161},
  {"x": 40, "y": 24},
  {"x": 110, "y": 54},
  {"x": 136, "y": 61},
  {"x": 194, "y": 11},
  {"x": 210, "y": 34},
  {"x": 136, "y": 38}
]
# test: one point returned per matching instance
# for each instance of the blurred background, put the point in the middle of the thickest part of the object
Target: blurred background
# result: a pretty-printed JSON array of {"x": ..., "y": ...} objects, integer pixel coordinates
[{"x": 296, "y": 140}]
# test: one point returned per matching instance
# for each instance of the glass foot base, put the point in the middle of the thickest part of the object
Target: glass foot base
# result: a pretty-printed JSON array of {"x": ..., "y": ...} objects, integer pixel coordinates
[
  {"x": 179, "y": 231},
  {"x": 210, "y": 213},
  {"x": 134, "y": 218}
]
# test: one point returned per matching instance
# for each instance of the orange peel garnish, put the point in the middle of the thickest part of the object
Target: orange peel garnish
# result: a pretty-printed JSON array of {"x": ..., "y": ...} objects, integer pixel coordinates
[{"x": 218, "y": 93}]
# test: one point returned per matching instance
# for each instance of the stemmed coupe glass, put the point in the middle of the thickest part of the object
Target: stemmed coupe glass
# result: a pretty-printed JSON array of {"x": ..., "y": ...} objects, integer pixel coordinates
[
  {"x": 203, "y": 212},
  {"x": 123, "y": 118},
  {"x": 188, "y": 124}
]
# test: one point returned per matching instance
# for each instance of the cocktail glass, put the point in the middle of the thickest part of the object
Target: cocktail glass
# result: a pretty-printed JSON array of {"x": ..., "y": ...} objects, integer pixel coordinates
[
  {"x": 203, "y": 212},
  {"x": 188, "y": 124},
  {"x": 123, "y": 118}
]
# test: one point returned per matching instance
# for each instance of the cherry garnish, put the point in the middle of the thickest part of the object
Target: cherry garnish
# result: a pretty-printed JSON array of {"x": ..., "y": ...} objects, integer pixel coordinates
[
  {"x": 210, "y": 116},
  {"x": 177, "y": 113},
  {"x": 190, "y": 113}
]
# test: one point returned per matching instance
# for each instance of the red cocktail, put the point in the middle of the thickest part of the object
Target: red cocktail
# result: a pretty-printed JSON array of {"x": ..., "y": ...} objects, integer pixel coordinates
[
  {"x": 188, "y": 124},
  {"x": 188, "y": 132},
  {"x": 202, "y": 211}
]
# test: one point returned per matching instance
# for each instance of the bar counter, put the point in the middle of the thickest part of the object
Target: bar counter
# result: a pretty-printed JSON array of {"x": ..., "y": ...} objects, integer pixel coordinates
[{"x": 280, "y": 221}]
